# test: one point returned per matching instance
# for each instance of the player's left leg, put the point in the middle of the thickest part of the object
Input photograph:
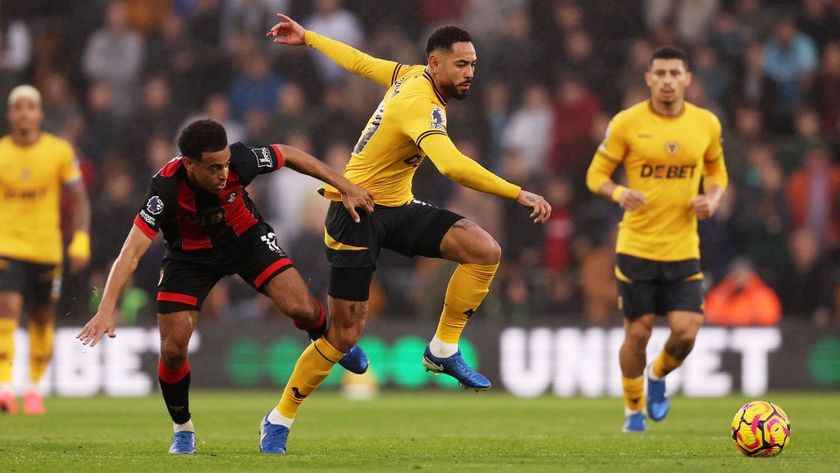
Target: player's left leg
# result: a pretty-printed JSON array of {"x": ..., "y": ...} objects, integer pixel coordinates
[
  {"x": 684, "y": 326},
  {"x": 479, "y": 255},
  {"x": 174, "y": 375},
  {"x": 41, "y": 298}
]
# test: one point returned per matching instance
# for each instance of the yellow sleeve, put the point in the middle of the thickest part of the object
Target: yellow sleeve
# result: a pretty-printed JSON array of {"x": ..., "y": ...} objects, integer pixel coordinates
[
  {"x": 378, "y": 70},
  {"x": 460, "y": 168},
  {"x": 714, "y": 172},
  {"x": 69, "y": 166},
  {"x": 610, "y": 153}
]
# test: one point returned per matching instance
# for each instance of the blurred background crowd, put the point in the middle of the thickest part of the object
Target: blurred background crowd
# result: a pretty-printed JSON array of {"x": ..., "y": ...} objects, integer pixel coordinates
[{"x": 120, "y": 78}]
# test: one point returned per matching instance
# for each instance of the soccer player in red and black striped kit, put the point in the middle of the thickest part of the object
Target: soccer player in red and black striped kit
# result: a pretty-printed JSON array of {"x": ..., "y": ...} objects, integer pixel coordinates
[{"x": 212, "y": 229}]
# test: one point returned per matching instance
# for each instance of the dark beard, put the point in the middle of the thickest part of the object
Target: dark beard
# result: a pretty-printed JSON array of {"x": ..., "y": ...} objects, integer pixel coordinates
[{"x": 452, "y": 91}]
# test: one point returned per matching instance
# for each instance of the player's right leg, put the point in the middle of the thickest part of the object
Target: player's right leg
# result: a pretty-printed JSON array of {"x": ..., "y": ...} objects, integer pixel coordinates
[
  {"x": 10, "y": 307},
  {"x": 11, "y": 303},
  {"x": 174, "y": 375}
]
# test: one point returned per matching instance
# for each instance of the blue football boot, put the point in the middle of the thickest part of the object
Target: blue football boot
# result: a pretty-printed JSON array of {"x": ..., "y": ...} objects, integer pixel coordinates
[
  {"x": 456, "y": 367},
  {"x": 355, "y": 360},
  {"x": 657, "y": 399},
  {"x": 183, "y": 443},
  {"x": 273, "y": 437},
  {"x": 634, "y": 423}
]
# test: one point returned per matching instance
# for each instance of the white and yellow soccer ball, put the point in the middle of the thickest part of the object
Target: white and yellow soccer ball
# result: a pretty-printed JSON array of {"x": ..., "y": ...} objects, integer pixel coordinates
[{"x": 760, "y": 429}]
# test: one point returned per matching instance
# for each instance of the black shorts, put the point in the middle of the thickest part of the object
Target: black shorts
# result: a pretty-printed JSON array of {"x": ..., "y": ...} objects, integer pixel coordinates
[
  {"x": 39, "y": 284},
  {"x": 413, "y": 229},
  {"x": 187, "y": 277},
  {"x": 658, "y": 287}
]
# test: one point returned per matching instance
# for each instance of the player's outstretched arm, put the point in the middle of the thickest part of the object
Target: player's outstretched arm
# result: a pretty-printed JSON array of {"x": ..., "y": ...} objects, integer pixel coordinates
[
  {"x": 352, "y": 195},
  {"x": 104, "y": 321},
  {"x": 291, "y": 33}
]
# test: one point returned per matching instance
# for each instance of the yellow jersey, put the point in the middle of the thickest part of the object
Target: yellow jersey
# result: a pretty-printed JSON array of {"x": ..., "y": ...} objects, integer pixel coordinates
[
  {"x": 30, "y": 193},
  {"x": 664, "y": 158},
  {"x": 409, "y": 124}
]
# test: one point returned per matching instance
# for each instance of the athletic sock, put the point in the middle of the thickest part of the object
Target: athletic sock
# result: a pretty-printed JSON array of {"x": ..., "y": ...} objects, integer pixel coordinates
[
  {"x": 275, "y": 417},
  {"x": 40, "y": 348},
  {"x": 175, "y": 387},
  {"x": 664, "y": 364},
  {"x": 185, "y": 427},
  {"x": 313, "y": 365},
  {"x": 634, "y": 393},
  {"x": 7, "y": 349},
  {"x": 467, "y": 288}
]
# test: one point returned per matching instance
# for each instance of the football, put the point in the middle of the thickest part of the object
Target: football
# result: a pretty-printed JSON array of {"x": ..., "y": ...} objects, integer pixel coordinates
[{"x": 760, "y": 429}]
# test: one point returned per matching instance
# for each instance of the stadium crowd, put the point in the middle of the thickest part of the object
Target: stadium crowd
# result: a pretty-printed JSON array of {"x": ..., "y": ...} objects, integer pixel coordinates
[{"x": 120, "y": 78}]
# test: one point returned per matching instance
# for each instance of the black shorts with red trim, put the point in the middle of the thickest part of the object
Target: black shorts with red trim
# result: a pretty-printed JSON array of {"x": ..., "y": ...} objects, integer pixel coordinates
[{"x": 187, "y": 277}]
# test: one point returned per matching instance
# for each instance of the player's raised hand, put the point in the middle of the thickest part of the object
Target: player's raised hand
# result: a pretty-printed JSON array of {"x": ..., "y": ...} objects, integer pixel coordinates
[
  {"x": 541, "y": 210},
  {"x": 704, "y": 206},
  {"x": 100, "y": 323},
  {"x": 353, "y": 197},
  {"x": 288, "y": 31},
  {"x": 631, "y": 200}
]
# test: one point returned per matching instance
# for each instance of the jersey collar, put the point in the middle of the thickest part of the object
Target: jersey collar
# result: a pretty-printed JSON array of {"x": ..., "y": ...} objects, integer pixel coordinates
[{"x": 434, "y": 87}]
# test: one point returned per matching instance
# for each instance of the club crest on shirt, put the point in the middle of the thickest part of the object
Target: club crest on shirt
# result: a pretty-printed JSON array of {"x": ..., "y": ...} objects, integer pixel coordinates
[
  {"x": 232, "y": 196},
  {"x": 671, "y": 147},
  {"x": 263, "y": 157},
  {"x": 154, "y": 205},
  {"x": 438, "y": 119}
]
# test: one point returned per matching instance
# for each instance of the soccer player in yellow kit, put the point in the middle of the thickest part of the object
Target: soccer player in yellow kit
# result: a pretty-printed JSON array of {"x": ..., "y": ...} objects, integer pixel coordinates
[
  {"x": 666, "y": 146},
  {"x": 407, "y": 126},
  {"x": 36, "y": 166}
]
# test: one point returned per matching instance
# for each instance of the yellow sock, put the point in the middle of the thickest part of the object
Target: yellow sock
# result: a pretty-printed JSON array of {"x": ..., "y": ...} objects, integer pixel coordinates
[
  {"x": 467, "y": 288},
  {"x": 664, "y": 364},
  {"x": 313, "y": 365},
  {"x": 7, "y": 348},
  {"x": 40, "y": 348},
  {"x": 634, "y": 393}
]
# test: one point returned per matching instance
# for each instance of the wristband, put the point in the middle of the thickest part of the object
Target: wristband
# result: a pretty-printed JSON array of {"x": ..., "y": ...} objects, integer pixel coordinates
[
  {"x": 79, "y": 246},
  {"x": 617, "y": 193}
]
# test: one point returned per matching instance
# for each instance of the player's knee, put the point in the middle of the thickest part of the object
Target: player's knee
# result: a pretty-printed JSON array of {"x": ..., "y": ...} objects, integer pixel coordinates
[
  {"x": 173, "y": 353},
  {"x": 487, "y": 251},
  {"x": 638, "y": 338}
]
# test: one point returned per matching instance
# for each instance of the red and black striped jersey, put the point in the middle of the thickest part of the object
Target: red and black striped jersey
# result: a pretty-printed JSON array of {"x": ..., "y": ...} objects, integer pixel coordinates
[{"x": 193, "y": 219}]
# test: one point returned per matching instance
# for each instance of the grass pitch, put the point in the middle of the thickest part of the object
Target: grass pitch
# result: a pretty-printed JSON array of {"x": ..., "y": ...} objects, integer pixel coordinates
[{"x": 429, "y": 431}]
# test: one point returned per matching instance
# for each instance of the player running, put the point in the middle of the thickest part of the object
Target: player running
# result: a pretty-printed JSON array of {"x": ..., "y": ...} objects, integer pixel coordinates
[
  {"x": 407, "y": 126},
  {"x": 666, "y": 146},
  {"x": 36, "y": 166},
  {"x": 212, "y": 229}
]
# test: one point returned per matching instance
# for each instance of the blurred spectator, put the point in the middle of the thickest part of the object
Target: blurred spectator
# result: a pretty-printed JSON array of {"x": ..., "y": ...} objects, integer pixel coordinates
[
  {"x": 806, "y": 134},
  {"x": 560, "y": 228},
  {"x": 806, "y": 289},
  {"x": 818, "y": 21},
  {"x": 330, "y": 19},
  {"x": 790, "y": 60},
  {"x": 217, "y": 108},
  {"x": 156, "y": 115},
  {"x": 714, "y": 75},
  {"x": 729, "y": 38},
  {"x": 575, "y": 109},
  {"x": 104, "y": 129},
  {"x": 827, "y": 89},
  {"x": 763, "y": 217},
  {"x": 250, "y": 88},
  {"x": 513, "y": 58},
  {"x": 813, "y": 192},
  {"x": 59, "y": 103},
  {"x": 15, "y": 49},
  {"x": 291, "y": 116},
  {"x": 497, "y": 114},
  {"x": 114, "y": 54},
  {"x": 742, "y": 298},
  {"x": 690, "y": 17},
  {"x": 597, "y": 281},
  {"x": 719, "y": 240},
  {"x": 529, "y": 129}
]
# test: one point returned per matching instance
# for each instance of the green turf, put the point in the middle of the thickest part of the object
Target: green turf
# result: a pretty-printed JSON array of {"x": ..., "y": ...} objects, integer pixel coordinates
[{"x": 433, "y": 431}]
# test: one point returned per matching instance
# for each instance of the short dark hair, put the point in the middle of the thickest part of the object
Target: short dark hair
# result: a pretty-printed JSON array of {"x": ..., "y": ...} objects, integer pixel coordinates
[
  {"x": 445, "y": 36},
  {"x": 201, "y": 136},
  {"x": 669, "y": 52}
]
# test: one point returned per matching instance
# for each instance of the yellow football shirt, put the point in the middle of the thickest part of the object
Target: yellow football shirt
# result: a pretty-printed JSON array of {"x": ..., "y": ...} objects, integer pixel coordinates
[
  {"x": 408, "y": 125},
  {"x": 664, "y": 158},
  {"x": 30, "y": 192}
]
